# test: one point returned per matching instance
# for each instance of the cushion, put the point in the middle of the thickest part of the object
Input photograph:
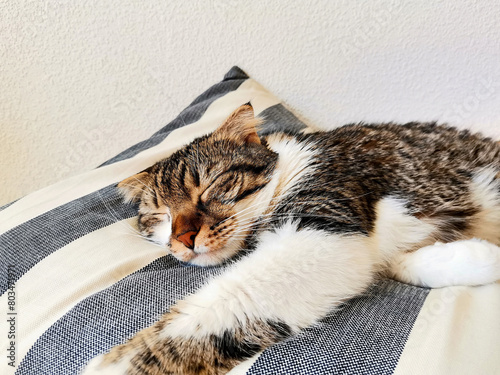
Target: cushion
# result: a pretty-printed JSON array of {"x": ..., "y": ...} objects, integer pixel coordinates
[{"x": 77, "y": 279}]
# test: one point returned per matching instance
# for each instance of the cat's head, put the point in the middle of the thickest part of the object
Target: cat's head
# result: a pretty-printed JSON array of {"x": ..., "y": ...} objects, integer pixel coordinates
[{"x": 202, "y": 200}]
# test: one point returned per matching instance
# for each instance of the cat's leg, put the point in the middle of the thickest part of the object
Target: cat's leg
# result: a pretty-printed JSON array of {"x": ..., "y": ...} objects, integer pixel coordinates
[
  {"x": 467, "y": 262},
  {"x": 292, "y": 279}
]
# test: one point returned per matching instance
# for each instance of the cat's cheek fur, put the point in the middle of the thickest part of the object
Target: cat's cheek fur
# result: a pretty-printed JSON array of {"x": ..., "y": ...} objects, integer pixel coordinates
[
  {"x": 163, "y": 231},
  {"x": 295, "y": 162}
]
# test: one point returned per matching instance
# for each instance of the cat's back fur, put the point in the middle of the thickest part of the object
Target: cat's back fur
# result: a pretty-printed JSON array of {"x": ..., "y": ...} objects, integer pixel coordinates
[{"x": 431, "y": 168}]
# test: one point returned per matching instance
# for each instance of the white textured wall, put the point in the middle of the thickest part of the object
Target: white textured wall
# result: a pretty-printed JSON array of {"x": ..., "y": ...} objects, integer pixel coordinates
[{"x": 81, "y": 81}]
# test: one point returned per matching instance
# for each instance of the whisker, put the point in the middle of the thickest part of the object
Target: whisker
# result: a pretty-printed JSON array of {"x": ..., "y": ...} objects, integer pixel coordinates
[{"x": 115, "y": 217}]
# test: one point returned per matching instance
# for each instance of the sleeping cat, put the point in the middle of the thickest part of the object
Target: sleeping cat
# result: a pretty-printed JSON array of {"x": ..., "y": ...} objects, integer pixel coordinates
[{"x": 308, "y": 221}]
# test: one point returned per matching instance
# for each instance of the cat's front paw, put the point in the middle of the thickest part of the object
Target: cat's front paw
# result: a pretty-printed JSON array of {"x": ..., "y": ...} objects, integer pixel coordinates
[
  {"x": 112, "y": 363},
  {"x": 96, "y": 366},
  {"x": 165, "y": 358}
]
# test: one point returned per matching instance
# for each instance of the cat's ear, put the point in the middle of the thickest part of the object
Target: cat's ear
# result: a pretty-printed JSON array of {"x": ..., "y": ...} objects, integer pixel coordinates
[
  {"x": 132, "y": 187},
  {"x": 241, "y": 126}
]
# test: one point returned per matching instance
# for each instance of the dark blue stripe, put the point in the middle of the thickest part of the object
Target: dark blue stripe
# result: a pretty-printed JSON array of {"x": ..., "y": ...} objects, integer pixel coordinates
[
  {"x": 277, "y": 118},
  {"x": 366, "y": 336},
  {"x": 8, "y": 204},
  {"x": 29, "y": 243},
  {"x": 111, "y": 316}
]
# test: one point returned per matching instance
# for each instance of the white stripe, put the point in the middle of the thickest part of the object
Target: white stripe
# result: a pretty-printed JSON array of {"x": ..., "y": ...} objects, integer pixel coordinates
[
  {"x": 456, "y": 332},
  {"x": 75, "y": 187}
]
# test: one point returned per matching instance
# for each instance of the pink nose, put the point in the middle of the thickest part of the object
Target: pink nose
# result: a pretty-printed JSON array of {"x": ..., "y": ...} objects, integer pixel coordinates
[{"x": 188, "y": 238}]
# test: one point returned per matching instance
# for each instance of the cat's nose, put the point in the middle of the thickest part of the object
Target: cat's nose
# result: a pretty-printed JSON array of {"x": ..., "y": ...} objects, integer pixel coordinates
[{"x": 188, "y": 238}]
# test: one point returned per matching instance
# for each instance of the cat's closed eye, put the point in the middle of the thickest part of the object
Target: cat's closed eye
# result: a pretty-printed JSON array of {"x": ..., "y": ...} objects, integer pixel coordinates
[{"x": 228, "y": 188}]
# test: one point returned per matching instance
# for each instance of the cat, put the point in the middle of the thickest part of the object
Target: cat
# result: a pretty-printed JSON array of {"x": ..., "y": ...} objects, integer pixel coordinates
[{"x": 309, "y": 221}]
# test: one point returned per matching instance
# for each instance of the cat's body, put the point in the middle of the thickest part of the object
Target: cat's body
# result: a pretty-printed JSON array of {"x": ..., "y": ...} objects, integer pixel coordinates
[
  {"x": 431, "y": 168},
  {"x": 320, "y": 215}
]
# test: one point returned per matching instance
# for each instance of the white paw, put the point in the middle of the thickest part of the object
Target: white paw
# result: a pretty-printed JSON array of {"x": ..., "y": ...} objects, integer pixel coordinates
[
  {"x": 94, "y": 367},
  {"x": 467, "y": 262}
]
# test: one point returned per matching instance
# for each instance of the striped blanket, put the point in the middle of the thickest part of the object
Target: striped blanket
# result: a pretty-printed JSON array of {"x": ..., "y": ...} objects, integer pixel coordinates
[{"x": 76, "y": 279}]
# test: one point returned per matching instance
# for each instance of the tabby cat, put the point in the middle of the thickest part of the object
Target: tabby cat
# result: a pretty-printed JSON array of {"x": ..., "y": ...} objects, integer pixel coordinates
[{"x": 312, "y": 220}]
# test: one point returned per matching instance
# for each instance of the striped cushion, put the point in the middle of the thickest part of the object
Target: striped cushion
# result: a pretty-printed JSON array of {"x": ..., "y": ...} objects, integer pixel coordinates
[{"x": 80, "y": 280}]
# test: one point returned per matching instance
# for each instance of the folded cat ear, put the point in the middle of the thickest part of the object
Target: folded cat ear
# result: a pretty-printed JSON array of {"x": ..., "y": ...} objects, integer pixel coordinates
[
  {"x": 241, "y": 126},
  {"x": 132, "y": 187}
]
